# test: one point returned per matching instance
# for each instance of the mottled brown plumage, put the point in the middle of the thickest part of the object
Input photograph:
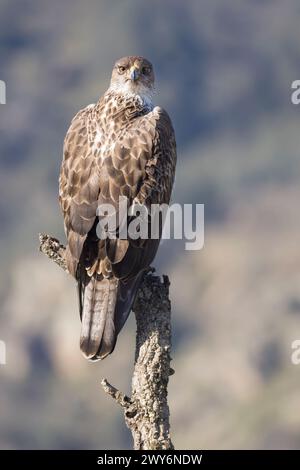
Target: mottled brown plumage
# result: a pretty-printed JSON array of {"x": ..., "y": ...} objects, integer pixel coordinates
[{"x": 121, "y": 146}]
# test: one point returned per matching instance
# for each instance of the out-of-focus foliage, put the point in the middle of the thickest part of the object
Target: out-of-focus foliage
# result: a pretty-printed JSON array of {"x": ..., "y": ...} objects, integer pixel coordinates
[{"x": 224, "y": 72}]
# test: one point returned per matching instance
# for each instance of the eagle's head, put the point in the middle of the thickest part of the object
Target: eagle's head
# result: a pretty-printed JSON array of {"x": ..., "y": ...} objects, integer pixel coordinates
[{"x": 133, "y": 75}]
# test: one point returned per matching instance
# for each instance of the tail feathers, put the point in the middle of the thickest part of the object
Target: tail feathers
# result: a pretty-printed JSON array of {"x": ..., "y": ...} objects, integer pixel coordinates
[
  {"x": 98, "y": 335},
  {"x": 126, "y": 295}
]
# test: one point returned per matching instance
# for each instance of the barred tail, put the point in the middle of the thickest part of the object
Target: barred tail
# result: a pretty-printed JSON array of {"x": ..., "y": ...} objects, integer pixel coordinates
[{"x": 98, "y": 335}]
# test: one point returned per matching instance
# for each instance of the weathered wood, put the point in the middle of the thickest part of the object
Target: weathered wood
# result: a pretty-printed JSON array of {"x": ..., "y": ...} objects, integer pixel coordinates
[{"x": 146, "y": 412}]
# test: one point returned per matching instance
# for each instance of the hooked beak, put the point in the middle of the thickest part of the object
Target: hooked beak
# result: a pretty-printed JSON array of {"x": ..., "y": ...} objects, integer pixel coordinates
[{"x": 134, "y": 74}]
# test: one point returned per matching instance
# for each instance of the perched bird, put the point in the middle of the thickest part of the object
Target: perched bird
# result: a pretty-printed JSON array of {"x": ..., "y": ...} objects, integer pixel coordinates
[{"x": 121, "y": 146}]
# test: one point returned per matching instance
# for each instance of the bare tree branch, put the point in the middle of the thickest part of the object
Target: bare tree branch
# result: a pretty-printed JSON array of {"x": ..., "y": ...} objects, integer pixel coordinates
[
  {"x": 146, "y": 412},
  {"x": 119, "y": 397},
  {"x": 51, "y": 247}
]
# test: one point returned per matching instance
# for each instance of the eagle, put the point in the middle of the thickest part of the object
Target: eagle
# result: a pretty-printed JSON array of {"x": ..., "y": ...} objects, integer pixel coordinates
[{"x": 122, "y": 146}]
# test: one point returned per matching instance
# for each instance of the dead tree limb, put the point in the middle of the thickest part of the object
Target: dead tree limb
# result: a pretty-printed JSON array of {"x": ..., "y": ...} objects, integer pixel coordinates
[{"x": 146, "y": 412}]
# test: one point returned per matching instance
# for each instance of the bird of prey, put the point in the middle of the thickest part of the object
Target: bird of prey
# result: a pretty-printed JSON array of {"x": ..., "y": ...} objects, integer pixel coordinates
[{"x": 121, "y": 146}]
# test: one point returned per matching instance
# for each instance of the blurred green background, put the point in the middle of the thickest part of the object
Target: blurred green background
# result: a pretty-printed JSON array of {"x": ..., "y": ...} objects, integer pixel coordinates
[{"x": 224, "y": 72}]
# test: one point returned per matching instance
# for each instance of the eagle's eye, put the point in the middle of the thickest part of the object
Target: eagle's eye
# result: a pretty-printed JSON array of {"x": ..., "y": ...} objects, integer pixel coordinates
[
  {"x": 146, "y": 70},
  {"x": 121, "y": 69}
]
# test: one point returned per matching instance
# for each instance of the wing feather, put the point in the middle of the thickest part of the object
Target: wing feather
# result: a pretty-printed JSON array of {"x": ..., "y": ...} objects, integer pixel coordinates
[
  {"x": 149, "y": 174},
  {"x": 78, "y": 187}
]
